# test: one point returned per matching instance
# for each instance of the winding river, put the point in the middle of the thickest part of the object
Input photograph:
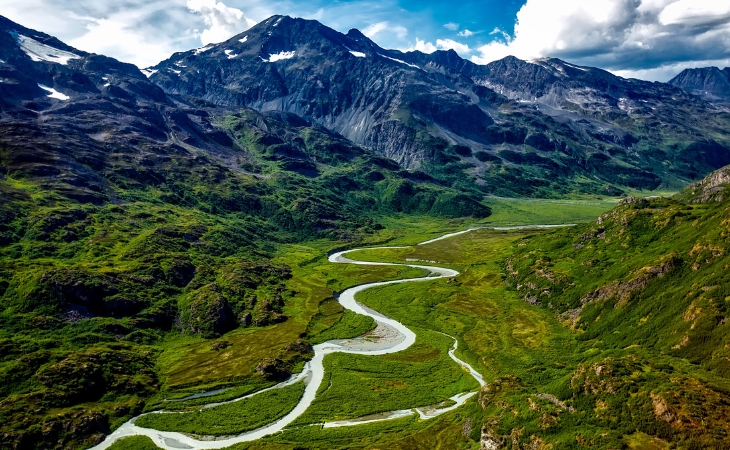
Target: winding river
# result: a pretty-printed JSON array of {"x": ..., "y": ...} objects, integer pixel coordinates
[{"x": 389, "y": 336}]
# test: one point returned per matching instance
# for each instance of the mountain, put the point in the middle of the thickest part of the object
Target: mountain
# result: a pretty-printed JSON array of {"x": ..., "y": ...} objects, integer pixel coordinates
[
  {"x": 647, "y": 284},
  {"x": 540, "y": 128},
  {"x": 710, "y": 83},
  {"x": 128, "y": 215},
  {"x": 142, "y": 212}
]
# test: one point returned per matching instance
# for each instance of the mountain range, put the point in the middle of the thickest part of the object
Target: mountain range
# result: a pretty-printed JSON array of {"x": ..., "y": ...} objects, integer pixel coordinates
[
  {"x": 135, "y": 204},
  {"x": 541, "y": 128}
]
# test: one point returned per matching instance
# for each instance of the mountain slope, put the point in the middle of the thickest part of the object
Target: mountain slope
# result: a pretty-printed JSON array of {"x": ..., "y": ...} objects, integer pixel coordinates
[
  {"x": 647, "y": 283},
  {"x": 129, "y": 217},
  {"x": 710, "y": 83},
  {"x": 512, "y": 127}
]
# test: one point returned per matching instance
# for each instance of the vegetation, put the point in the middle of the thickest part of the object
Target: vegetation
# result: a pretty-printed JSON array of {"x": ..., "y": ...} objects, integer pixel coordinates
[
  {"x": 349, "y": 325},
  {"x": 134, "y": 443},
  {"x": 153, "y": 299},
  {"x": 361, "y": 385},
  {"x": 231, "y": 418},
  {"x": 175, "y": 277},
  {"x": 645, "y": 287}
]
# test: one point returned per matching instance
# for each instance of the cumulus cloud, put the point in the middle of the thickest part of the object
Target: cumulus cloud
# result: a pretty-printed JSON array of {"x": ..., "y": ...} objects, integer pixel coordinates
[
  {"x": 450, "y": 44},
  {"x": 620, "y": 35},
  {"x": 114, "y": 36},
  {"x": 466, "y": 33},
  {"x": 422, "y": 46},
  {"x": 441, "y": 44},
  {"x": 378, "y": 28},
  {"x": 451, "y": 26},
  {"x": 222, "y": 22}
]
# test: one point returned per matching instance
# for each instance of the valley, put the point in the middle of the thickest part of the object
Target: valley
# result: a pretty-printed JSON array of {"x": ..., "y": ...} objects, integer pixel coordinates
[
  {"x": 400, "y": 386},
  {"x": 296, "y": 238}
]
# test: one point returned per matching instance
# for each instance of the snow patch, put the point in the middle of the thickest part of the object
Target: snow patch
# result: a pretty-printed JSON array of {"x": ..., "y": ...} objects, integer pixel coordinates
[
  {"x": 245, "y": 38},
  {"x": 358, "y": 54},
  {"x": 279, "y": 56},
  {"x": 148, "y": 72},
  {"x": 53, "y": 93},
  {"x": 180, "y": 64},
  {"x": 277, "y": 23},
  {"x": 399, "y": 61},
  {"x": 42, "y": 52},
  {"x": 203, "y": 49},
  {"x": 576, "y": 67},
  {"x": 2, "y": 61},
  {"x": 230, "y": 54},
  {"x": 177, "y": 72},
  {"x": 107, "y": 85},
  {"x": 105, "y": 78}
]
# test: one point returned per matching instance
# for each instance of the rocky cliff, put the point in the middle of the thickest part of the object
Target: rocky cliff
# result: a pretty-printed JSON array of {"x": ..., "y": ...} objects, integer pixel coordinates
[
  {"x": 512, "y": 127},
  {"x": 710, "y": 83}
]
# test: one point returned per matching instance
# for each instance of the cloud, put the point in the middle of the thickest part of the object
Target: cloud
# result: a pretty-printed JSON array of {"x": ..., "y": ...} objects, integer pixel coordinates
[
  {"x": 377, "y": 28},
  {"x": 625, "y": 36},
  {"x": 441, "y": 44},
  {"x": 466, "y": 33},
  {"x": 449, "y": 44},
  {"x": 694, "y": 12},
  {"x": 113, "y": 36},
  {"x": 422, "y": 46},
  {"x": 451, "y": 26},
  {"x": 222, "y": 21}
]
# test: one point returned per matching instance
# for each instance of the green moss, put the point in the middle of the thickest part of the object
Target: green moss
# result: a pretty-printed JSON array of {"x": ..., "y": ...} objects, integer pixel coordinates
[
  {"x": 229, "y": 419},
  {"x": 134, "y": 443}
]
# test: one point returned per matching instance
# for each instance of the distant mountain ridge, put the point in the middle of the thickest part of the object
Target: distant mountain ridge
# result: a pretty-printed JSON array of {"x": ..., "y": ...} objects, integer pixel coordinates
[
  {"x": 512, "y": 127},
  {"x": 710, "y": 83}
]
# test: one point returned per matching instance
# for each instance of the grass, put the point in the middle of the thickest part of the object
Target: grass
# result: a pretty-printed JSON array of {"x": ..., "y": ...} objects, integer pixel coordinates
[
  {"x": 546, "y": 212},
  {"x": 360, "y": 385},
  {"x": 350, "y": 325},
  {"x": 498, "y": 334},
  {"x": 232, "y": 418},
  {"x": 146, "y": 246},
  {"x": 134, "y": 443}
]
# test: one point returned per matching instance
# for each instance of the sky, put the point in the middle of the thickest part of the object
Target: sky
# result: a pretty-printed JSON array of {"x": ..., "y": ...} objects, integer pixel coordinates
[{"x": 648, "y": 39}]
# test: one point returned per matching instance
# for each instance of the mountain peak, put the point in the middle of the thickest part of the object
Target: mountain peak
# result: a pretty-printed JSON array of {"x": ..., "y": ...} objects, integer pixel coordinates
[
  {"x": 356, "y": 34},
  {"x": 710, "y": 83}
]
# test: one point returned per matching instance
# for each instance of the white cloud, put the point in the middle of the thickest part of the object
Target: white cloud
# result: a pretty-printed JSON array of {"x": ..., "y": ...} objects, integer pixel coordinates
[
  {"x": 621, "y": 35},
  {"x": 451, "y": 26},
  {"x": 449, "y": 44},
  {"x": 377, "y": 28},
  {"x": 112, "y": 36},
  {"x": 694, "y": 12},
  {"x": 374, "y": 29},
  {"x": 222, "y": 22},
  {"x": 441, "y": 44},
  {"x": 666, "y": 72},
  {"x": 422, "y": 46},
  {"x": 466, "y": 33}
]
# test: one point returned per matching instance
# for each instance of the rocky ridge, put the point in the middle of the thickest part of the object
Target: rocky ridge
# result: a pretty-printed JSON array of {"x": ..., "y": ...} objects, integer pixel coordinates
[
  {"x": 509, "y": 127},
  {"x": 710, "y": 83}
]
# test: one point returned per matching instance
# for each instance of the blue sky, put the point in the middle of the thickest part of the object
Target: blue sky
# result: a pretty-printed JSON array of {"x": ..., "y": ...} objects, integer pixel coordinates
[{"x": 648, "y": 39}]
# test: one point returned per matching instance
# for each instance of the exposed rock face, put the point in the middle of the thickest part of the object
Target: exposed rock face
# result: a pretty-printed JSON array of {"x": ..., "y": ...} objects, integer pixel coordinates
[
  {"x": 72, "y": 120},
  {"x": 710, "y": 83},
  {"x": 711, "y": 188},
  {"x": 488, "y": 441},
  {"x": 548, "y": 115},
  {"x": 623, "y": 290},
  {"x": 344, "y": 82}
]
